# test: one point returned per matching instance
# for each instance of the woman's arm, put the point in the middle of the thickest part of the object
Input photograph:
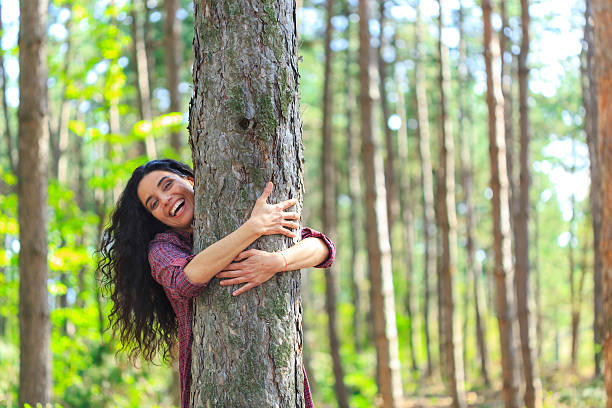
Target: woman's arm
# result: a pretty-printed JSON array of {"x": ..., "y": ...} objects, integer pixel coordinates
[
  {"x": 255, "y": 267},
  {"x": 265, "y": 219}
]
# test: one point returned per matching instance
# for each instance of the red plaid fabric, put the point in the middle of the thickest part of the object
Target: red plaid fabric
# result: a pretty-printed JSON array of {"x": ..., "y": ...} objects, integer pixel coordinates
[{"x": 169, "y": 252}]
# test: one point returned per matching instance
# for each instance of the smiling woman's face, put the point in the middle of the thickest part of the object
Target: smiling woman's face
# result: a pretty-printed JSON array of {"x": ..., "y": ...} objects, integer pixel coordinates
[{"x": 169, "y": 197}]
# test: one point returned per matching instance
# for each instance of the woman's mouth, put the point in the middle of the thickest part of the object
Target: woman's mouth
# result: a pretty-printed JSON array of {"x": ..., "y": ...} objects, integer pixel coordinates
[{"x": 178, "y": 206}]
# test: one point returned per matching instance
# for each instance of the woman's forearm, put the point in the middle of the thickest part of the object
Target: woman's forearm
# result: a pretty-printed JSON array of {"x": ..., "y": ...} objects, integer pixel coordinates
[
  {"x": 210, "y": 261},
  {"x": 307, "y": 253}
]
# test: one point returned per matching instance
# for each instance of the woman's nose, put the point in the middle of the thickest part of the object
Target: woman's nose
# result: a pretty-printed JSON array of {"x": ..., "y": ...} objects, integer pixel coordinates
[{"x": 165, "y": 198}]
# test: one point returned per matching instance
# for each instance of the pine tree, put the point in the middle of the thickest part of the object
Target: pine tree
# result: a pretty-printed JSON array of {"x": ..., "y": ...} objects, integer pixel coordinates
[{"x": 245, "y": 130}]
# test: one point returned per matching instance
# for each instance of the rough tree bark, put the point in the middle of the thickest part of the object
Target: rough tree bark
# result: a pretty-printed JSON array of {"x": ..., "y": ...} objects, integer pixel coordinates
[
  {"x": 504, "y": 274},
  {"x": 589, "y": 98},
  {"x": 174, "y": 47},
  {"x": 244, "y": 130},
  {"x": 602, "y": 63},
  {"x": 453, "y": 348},
  {"x": 533, "y": 386},
  {"x": 328, "y": 212},
  {"x": 34, "y": 324},
  {"x": 379, "y": 251},
  {"x": 429, "y": 226}
]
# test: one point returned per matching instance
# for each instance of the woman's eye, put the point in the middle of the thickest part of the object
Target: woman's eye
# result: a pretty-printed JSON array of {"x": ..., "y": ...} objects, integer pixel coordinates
[
  {"x": 167, "y": 185},
  {"x": 154, "y": 205}
]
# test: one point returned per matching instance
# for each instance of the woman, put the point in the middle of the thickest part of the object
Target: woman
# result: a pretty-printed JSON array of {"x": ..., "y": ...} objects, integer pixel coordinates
[{"x": 152, "y": 276}]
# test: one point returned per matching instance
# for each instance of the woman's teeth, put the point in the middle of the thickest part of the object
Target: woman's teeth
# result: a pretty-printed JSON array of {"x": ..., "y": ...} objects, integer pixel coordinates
[{"x": 176, "y": 207}]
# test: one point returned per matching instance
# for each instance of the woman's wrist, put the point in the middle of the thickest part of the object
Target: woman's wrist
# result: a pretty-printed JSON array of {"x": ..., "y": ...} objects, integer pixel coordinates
[
  {"x": 283, "y": 261},
  {"x": 253, "y": 227}
]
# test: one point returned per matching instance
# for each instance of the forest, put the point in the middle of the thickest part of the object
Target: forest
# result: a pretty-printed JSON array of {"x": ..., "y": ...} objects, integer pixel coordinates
[{"x": 453, "y": 150}]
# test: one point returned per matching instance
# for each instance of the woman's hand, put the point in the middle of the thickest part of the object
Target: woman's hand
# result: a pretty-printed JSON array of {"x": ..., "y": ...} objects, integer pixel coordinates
[
  {"x": 252, "y": 267},
  {"x": 270, "y": 219}
]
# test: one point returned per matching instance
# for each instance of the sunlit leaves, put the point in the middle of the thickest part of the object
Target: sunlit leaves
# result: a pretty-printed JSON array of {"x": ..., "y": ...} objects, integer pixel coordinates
[
  {"x": 69, "y": 258},
  {"x": 158, "y": 126},
  {"x": 115, "y": 82},
  {"x": 77, "y": 127}
]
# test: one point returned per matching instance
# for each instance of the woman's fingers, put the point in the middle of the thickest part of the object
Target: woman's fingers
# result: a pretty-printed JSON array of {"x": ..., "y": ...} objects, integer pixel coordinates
[
  {"x": 234, "y": 266},
  {"x": 266, "y": 193},
  {"x": 243, "y": 255},
  {"x": 291, "y": 216},
  {"x": 288, "y": 203},
  {"x": 290, "y": 224},
  {"x": 287, "y": 233},
  {"x": 229, "y": 274},
  {"x": 246, "y": 287},
  {"x": 234, "y": 281}
]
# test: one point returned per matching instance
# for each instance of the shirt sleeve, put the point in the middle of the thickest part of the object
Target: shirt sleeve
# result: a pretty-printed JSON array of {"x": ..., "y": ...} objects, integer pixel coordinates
[
  {"x": 167, "y": 267},
  {"x": 311, "y": 233}
]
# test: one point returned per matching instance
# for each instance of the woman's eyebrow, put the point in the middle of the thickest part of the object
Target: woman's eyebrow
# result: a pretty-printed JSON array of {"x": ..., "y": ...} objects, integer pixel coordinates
[{"x": 161, "y": 180}]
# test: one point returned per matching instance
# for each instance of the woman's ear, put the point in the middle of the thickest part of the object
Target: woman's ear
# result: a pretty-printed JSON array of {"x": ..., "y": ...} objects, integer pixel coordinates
[{"x": 190, "y": 180}]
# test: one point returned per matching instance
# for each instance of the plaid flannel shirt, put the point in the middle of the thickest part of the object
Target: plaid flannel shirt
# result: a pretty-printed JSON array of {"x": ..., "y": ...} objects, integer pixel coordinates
[{"x": 169, "y": 252}]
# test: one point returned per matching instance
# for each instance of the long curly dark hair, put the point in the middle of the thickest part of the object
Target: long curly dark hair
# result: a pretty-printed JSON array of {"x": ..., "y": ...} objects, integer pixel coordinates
[{"x": 141, "y": 314}]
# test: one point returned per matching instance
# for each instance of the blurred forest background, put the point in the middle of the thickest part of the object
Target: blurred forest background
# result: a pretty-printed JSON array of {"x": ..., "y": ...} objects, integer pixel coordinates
[{"x": 119, "y": 85}]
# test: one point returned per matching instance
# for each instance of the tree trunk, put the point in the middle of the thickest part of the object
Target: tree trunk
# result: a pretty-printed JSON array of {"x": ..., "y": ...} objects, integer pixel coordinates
[
  {"x": 81, "y": 195},
  {"x": 142, "y": 77},
  {"x": 173, "y": 54},
  {"x": 572, "y": 265},
  {"x": 464, "y": 153},
  {"x": 429, "y": 226},
  {"x": 379, "y": 251},
  {"x": 589, "y": 97},
  {"x": 245, "y": 130},
  {"x": 390, "y": 182},
  {"x": 504, "y": 279},
  {"x": 406, "y": 201},
  {"x": 533, "y": 386},
  {"x": 439, "y": 254},
  {"x": 59, "y": 135},
  {"x": 174, "y": 47},
  {"x": 34, "y": 324},
  {"x": 453, "y": 347},
  {"x": 506, "y": 80},
  {"x": 354, "y": 187},
  {"x": 481, "y": 324},
  {"x": 147, "y": 8},
  {"x": 328, "y": 212},
  {"x": 473, "y": 268},
  {"x": 538, "y": 283},
  {"x": 576, "y": 312},
  {"x": 602, "y": 23},
  {"x": 10, "y": 149}
]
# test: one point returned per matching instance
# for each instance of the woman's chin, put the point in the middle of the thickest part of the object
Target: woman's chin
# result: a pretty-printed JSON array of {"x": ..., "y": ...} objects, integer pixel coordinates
[{"x": 183, "y": 219}]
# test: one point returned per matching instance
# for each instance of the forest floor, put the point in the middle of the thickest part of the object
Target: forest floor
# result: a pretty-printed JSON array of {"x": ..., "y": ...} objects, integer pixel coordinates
[{"x": 562, "y": 388}]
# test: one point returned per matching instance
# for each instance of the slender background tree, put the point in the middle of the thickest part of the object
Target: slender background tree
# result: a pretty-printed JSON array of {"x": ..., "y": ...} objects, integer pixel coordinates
[
  {"x": 504, "y": 273},
  {"x": 34, "y": 324}
]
